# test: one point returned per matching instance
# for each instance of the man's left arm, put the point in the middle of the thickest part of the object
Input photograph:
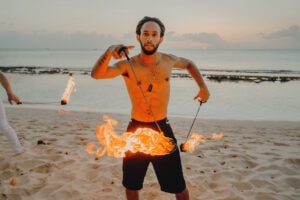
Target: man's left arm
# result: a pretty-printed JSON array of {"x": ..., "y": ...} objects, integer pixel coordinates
[{"x": 203, "y": 94}]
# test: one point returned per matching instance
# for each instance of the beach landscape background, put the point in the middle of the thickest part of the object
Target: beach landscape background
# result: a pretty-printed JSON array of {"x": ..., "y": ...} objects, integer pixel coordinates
[
  {"x": 248, "y": 52},
  {"x": 258, "y": 158}
]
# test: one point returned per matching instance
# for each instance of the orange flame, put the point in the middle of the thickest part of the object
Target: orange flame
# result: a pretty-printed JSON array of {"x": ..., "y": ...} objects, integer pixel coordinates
[
  {"x": 144, "y": 140},
  {"x": 68, "y": 90},
  {"x": 196, "y": 139}
]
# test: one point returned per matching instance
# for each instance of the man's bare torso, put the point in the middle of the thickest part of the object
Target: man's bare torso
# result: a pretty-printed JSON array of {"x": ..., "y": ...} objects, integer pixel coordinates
[{"x": 148, "y": 87}]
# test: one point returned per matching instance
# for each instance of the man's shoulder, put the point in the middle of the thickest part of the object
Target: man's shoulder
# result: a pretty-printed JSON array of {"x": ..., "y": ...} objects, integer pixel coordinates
[
  {"x": 175, "y": 61},
  {"x": 169, "y": 57},
  {"x": 121, "y": 63}
]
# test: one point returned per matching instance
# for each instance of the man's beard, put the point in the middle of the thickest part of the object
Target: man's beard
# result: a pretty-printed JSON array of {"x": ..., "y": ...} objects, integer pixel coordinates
[{"x": 149, "y": 52}]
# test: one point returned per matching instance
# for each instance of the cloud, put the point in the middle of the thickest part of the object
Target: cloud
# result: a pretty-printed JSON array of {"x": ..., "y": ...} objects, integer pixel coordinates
[
  {"x": 288, "y": 38},
  {"x": 81, "y": 40},
  {"x": 4, "y": 23},
  {"x": 194, "y": 40},
  {"x": 59, "y": 40},
  {"x": 285, "y": 38},
  {"x": 291, "y": 32}
]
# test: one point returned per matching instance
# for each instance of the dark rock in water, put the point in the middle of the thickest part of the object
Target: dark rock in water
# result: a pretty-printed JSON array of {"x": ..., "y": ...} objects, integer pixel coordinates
[
  {"x": 231, "y": 76},
  {"x": 250, "y": 78},
  {"x": 50, "y": 71}
]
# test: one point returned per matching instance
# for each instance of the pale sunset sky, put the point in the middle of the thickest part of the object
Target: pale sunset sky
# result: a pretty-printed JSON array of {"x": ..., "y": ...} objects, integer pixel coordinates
[{"x": 190, "y": 24}]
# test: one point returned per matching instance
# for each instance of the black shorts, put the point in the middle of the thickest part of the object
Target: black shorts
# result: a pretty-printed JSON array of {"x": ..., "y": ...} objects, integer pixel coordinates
[{"x": 167, "y": 168}]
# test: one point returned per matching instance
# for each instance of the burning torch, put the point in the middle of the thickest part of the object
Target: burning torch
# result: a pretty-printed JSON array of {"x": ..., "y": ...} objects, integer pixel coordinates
[{"x": 69, "y": 88}]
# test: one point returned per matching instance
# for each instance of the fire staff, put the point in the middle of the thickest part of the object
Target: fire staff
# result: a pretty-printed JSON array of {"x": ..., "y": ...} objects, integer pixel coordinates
[{"x": 147, "y": 78}]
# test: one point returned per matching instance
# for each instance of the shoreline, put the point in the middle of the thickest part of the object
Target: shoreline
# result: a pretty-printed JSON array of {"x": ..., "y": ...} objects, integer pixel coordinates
[
  {"x": 254, "y": 159},
  {"x": 45, "y": 106}
]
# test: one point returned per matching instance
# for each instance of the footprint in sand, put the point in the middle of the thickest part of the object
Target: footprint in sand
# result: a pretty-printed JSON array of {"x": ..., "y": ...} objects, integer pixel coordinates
[{"x": 44, "y": 168}]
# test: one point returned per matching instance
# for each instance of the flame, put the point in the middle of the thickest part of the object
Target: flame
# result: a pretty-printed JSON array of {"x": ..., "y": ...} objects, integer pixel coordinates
[
  {"x": 144, "y": 140},
  {"x": 196, "y": 139},
  {"x": 216, "y": 136},
  {"x": 68, "y": 90}
]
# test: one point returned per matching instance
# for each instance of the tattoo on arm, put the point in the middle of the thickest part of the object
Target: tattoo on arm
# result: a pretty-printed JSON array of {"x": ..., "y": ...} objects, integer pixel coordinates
[
  {"x": 101, "y": 65},
  {"x": 103, "y": 59}
]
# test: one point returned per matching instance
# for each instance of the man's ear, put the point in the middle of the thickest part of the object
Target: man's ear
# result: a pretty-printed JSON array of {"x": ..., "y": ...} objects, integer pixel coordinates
[
  {"x": 138, "y": 37},
  {"x": 161, "y": 39}
]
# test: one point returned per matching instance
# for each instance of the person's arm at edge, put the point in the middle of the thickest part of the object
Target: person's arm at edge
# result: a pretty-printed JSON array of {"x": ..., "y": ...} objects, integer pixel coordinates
[{"x": 10, "y": 95}]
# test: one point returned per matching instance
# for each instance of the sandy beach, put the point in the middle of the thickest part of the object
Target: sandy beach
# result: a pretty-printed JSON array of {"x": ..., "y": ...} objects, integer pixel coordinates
[{"x": 257, "y": 160}]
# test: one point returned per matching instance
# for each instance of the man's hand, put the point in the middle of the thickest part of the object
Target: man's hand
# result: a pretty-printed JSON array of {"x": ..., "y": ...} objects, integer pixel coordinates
[
  {"x": 114, "y": 50},
  {"x": 203, "y": 95}
]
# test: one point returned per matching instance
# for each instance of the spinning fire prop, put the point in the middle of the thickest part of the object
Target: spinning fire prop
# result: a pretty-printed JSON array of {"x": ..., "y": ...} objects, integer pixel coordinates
[
  {"x": 197, "y": 139},
  {"x": 144, "y": 140}
]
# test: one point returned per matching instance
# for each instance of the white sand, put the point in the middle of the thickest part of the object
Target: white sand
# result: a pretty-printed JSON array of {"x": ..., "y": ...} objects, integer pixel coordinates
[{"x": 254, "y": 160}]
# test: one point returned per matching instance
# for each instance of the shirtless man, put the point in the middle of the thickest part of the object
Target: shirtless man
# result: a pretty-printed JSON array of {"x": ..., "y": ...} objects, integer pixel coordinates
[{"x": 147, "y": 78}]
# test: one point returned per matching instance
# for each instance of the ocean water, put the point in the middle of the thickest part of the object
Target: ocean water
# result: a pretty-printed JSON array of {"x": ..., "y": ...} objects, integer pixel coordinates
[{"x": 229, "y": 99}]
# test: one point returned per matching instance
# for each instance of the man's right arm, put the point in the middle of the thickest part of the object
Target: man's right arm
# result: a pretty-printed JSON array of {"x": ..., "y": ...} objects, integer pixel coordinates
[{"x": 102, "y": 69}]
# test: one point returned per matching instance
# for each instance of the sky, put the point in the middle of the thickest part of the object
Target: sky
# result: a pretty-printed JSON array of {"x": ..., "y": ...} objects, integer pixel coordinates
[{"x": 190, "y": 24}]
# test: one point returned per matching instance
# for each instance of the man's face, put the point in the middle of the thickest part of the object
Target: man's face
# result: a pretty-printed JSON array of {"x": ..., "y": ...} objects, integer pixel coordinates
[{"x": 150, "y": 37}]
